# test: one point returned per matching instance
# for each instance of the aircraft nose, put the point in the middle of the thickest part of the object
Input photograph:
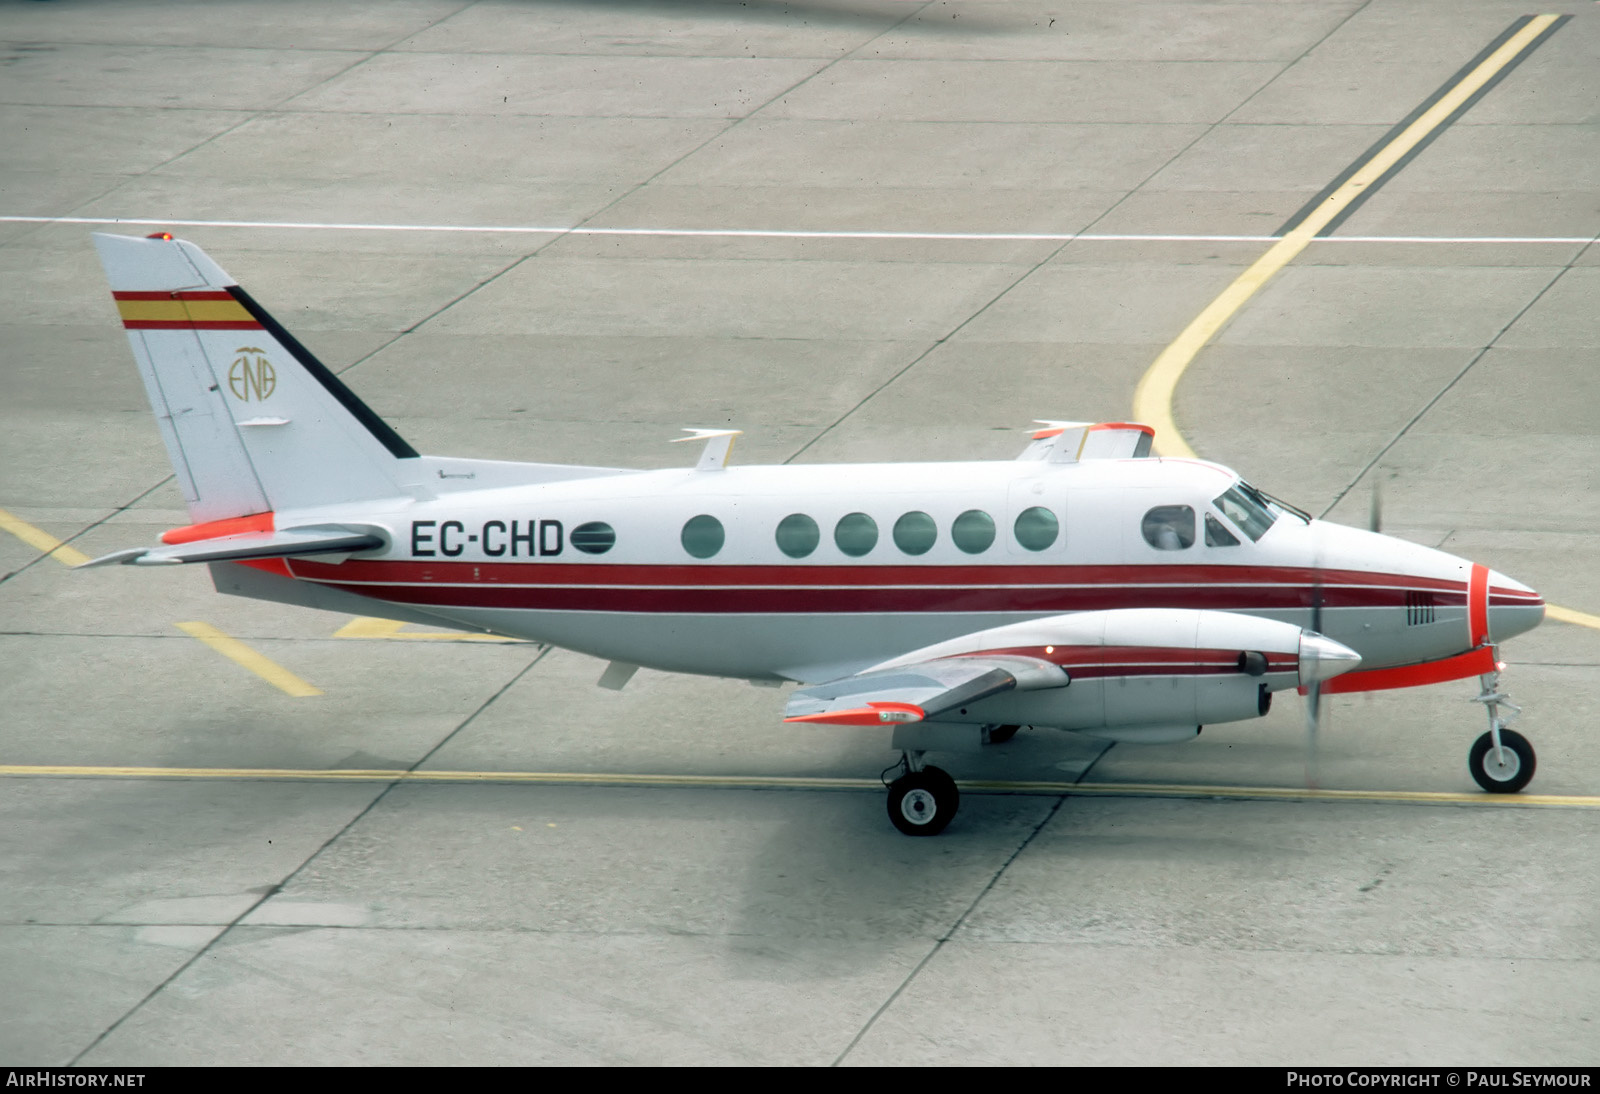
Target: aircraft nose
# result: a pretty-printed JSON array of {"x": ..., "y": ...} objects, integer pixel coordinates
[{"x": 1513, "y": 608}]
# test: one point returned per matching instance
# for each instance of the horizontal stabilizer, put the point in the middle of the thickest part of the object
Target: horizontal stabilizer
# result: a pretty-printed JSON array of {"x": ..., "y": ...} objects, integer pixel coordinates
[
  {"x": 918, "y": 692},
  {"x": 317, "y": 540}
]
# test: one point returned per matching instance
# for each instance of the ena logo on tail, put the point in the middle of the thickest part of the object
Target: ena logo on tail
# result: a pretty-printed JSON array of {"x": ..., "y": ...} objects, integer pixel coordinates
[{"x": 251, "y": 375}]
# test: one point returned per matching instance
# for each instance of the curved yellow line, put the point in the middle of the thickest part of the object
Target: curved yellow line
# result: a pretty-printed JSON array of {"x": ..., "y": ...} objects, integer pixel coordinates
[{"x": 1152, "y": 400}]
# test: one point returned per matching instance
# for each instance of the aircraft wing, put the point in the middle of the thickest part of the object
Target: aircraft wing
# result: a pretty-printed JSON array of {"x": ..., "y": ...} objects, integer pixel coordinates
[
  {"x": 321, "y": 540},
  {"x": 920, "y": 691}
]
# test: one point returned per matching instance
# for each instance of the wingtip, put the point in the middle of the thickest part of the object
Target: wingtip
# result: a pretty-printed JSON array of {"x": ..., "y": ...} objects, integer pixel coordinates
[{"x": 873, "y": 714}]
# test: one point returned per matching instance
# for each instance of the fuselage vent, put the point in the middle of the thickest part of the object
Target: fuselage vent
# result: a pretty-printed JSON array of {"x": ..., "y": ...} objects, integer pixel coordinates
[{"x": 1419, "y": 609}]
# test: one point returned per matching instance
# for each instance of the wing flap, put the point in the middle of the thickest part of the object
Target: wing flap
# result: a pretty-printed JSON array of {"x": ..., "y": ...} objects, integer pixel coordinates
[{"x": 918, "y": 692}]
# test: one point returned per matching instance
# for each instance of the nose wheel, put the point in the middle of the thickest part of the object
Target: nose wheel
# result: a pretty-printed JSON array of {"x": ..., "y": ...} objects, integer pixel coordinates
[
  {"x": 1501, "y": 761},
  {"x": 924, "y": 800},
  {"x": 1504, "y": 770}
]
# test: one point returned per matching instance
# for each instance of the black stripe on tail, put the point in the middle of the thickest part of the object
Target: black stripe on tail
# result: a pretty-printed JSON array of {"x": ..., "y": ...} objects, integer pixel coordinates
[{"x": 379, "y": 428}]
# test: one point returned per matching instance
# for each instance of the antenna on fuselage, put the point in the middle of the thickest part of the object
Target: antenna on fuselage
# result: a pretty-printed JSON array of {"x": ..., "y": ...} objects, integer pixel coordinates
[{"x": 719, "y": 442}]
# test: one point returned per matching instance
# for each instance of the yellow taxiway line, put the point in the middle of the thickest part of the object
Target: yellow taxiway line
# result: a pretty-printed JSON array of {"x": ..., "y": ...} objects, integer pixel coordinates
[
  {"x": 231, "y": 648},
  {"x": 245, "y": 657},
  {"x": 41, "y": 540},
  {"x": 369, "y": 627},
  {"x": 785, "y": 782},
  {"x": 1567, "y": 615}
]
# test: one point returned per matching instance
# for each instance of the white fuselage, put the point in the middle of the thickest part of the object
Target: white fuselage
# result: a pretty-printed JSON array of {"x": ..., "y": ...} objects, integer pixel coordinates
[{"x": 688, "y": 571}]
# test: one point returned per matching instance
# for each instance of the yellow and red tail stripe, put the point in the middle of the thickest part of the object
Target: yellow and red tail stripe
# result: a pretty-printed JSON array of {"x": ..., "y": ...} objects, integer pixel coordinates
[{"x": 209, "y": 310}]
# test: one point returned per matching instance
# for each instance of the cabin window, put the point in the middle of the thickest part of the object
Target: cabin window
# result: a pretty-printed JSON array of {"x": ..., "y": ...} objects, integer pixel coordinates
[
  {"x": 915, "y": 533},
  {"x": 797, "y": 535},
  {"x": 856, "y": 534},
  {"x": 1169, "y": 527},
  {"x": 595, "y": 538},
  {"x": 973, "y": 531},
  {"x": 702, "y": 536},
  {"x": 1036, "y": 528},
  {"x": 1217, "y": 534},
  {"x": 1250, "y": 515}
]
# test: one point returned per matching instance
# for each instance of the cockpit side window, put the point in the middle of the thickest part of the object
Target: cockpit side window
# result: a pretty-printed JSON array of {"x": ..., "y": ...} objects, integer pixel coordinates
[
  {"x": 1169, "y": 527},
  {"x": 1217, "y": 534},
  {"x": 1252, "y": 518}
]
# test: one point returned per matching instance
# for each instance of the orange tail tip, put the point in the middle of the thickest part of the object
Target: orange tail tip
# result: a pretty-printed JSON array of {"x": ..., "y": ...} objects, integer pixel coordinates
[{"x": 233, "y": 526}]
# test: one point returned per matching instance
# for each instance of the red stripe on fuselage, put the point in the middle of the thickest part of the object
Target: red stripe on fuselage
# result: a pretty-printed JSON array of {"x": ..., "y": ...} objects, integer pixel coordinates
[
  {"x": 601, "y": 574},
  {"x": 1472, "y": 663},
  {"x": 862, "y": 589}
]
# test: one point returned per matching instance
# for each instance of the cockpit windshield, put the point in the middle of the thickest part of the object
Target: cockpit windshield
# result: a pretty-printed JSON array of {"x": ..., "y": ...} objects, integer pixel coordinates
[
  {"x": 1247, "y": 509},
  {"x": 1267, "y": 501}
]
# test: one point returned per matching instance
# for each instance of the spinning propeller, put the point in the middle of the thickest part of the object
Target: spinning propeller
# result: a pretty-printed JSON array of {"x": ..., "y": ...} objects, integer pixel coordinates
[{"x": 1315, "y": 677}]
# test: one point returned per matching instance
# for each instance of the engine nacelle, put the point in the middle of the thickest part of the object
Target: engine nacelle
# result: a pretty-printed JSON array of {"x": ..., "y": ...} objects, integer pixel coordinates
[{"x": 1148, "y": 670}]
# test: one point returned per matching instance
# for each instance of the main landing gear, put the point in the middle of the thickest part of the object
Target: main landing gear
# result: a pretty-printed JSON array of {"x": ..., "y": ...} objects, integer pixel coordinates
[
  {"x": 1501, "y": 761},
  {"x": 923, "y": 800}
]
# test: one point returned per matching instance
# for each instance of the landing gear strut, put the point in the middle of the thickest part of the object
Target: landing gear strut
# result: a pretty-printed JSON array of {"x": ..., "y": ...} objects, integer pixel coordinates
[
  {"x": 1501, "y": 761},
  {"x": 923, "y": 800}
]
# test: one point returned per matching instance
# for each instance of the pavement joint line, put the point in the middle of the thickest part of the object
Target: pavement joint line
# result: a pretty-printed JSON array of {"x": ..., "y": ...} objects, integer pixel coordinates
[
  {"x": 940, "y": 942},
  {"x": 245, "y": 657},
  {"x": 41, "y": 540},
  {"x": 1153, "y": 398},
  {"x": 800, "y": 782},
  {"x": 1550, "y": 25},
  {"x": 781, "y": 233}
]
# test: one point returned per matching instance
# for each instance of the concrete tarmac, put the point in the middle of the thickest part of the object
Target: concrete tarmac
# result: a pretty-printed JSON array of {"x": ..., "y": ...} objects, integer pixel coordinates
[{"x": 858, "y": 230}]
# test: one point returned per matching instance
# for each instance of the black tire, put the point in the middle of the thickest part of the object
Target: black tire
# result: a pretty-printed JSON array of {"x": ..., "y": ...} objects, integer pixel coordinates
[
  {"x": 1510, "y": 778},
  {"x": 923, "y": 802},
  {"x": 999, "y": 735}
]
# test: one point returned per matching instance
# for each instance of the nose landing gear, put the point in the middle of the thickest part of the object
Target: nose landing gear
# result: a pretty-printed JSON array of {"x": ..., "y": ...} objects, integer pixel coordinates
[{"x": 1501, "y": 761}]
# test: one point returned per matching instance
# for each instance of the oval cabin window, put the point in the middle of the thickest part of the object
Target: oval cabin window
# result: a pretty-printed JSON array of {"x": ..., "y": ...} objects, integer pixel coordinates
[
  {"x": 1036, "y": 528},
  {"x": 595, "y": 538},
  {"x": 915, "y": 533},
  {"x": 856, "y": 534},
  {"x": 973, "y": 531},
  {"x": 702, "y": 536},
  {"x": 797, "y": 535}
]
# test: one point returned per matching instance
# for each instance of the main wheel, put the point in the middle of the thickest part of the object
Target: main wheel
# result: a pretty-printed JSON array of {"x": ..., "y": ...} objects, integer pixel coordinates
[
  {"x": 1507, "y": 773},
  {"x": 923, "y": 802}
]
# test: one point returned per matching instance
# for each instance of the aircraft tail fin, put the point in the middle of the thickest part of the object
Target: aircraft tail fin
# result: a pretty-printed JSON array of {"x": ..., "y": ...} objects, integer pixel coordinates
[{"x": 253, "y": 422}]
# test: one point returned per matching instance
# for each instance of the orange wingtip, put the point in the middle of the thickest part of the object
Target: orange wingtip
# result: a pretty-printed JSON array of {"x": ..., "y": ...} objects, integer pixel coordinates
[
  {"x": 1475, "y": 663},
  {"x": 873, "y": 714},
  {"x": 233, "y": 526},
  {"x": 1139, "y": 426}
]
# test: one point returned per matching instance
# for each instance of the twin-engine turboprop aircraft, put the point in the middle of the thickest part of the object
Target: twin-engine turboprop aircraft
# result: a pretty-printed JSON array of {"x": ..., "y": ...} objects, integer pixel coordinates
[{"x": 1086, "y": 586}]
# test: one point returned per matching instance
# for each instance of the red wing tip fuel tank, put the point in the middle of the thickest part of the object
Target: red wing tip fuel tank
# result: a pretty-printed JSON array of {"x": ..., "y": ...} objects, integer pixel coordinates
[{"x": 1085, "y": 586}]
